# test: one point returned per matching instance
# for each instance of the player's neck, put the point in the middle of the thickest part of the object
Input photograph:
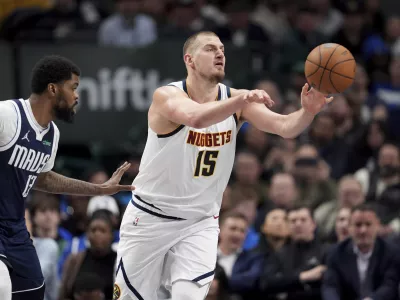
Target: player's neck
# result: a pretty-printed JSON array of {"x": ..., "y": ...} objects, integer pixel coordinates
[
  {"x": 201, "y": 90},
  {"x": 41, "y": 109}
]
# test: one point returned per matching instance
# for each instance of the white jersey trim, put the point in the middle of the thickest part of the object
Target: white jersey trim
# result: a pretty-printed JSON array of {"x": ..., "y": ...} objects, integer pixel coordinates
[
  {"x": 23, "y": 291},
  {"x": 17, "y": 132},
  {"x": 39, "y": 130}
]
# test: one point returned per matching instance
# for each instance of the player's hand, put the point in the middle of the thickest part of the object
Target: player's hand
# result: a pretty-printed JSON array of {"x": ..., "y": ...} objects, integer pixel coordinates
[
  {"x": 258, "y": 96},
  {"x": 313, "y": 101},
  {"x": 112, "y": 186}
]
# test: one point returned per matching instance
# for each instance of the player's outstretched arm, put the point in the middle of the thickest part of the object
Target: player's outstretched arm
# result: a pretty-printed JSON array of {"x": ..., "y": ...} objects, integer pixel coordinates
[
  {"x": 52, "y": 182},
  {"x": 172, "y": 104},
  {"x": 287, "y": 126}
]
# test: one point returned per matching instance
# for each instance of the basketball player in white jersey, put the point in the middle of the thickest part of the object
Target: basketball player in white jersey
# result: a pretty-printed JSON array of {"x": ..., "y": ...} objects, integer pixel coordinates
[{"x": 169, "y": 232}]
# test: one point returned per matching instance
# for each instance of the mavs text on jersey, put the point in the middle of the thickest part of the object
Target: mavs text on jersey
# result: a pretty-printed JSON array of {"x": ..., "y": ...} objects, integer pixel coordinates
[{"x": 26, "y": 150}]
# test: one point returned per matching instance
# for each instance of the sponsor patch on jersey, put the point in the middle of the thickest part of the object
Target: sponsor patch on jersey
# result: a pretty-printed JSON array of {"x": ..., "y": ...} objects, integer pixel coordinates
[
  {"x": 47, "y": 143},
  {"x": 117, "y": 292}
]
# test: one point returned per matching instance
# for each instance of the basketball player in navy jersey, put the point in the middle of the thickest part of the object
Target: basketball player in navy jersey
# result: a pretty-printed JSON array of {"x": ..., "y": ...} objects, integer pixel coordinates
[{"x": 28, "y": 146}]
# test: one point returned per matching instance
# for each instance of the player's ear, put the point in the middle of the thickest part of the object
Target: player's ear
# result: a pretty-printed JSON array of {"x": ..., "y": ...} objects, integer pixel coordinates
[
  {"x": 188, "y": 59},
  {"x": 52, "y": 89}
]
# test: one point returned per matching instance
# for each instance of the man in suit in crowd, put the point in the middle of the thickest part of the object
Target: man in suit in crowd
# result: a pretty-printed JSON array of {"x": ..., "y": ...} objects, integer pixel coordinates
[{"x": 363, "y": 267}]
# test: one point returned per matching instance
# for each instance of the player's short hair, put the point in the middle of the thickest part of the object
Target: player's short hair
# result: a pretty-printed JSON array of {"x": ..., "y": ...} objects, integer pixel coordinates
[
  {"x": 190, "y": 43},
  {"x": 52, "y": 69}
]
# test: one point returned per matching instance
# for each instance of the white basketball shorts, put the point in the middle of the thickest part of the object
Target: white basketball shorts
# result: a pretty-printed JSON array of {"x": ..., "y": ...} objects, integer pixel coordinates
[{"x": 156, "y": 250}]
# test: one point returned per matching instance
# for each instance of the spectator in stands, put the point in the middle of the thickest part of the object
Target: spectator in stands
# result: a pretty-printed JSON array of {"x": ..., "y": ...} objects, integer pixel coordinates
[
  {"x": 99, "y": 259},
  {"x": 374, "y": 17},
  {"x": 249, "y": 265},
  {"x": 89, "y": 287},
  {"x": 183, "y": 19},
  {"x": 271, "y": 16},
  {"x": 240, "y": 29},
  {"x": 359, "y": 96},
  {"x": 366, "y": 148},
  {"x": 280, "y": 157},
  {"x": 332, "y": 149},
  {"x": 312, "y": 176},
  {"x": 330, "y": 19},
  {"x": 348, "y": 127},
  {"x": 388, "y": 92},
  {"x": 47, "y": 251},
  {"x": 352, "y": 35},
  {"x": 374, "y": 181},
  {"x": 128, "y": 27},
  {"x": 282, "y": 193},
  {"x": 365, "y": 266},
  {"x": 233, "y": 228},
  {"x": 247, "y": 172},
  {"x": 303, "y": 36},
  {"x": 381, "y": 43},
  {"x": 219, "y": 286},
  {"x": 96, "y": 175},
  {"x": 342, "y": 224},
  {"x": 245, "y": 202},
  {"x": 297, "y": 271},
  {"x": 255, "y": 141},
  {"x": 349, "y": 195},
  {"x": 99, "y": 205},
  {"x": 76, "y": 220},
  {"x": 272, "y": 89},
  {"x": 44, "y": 211}
]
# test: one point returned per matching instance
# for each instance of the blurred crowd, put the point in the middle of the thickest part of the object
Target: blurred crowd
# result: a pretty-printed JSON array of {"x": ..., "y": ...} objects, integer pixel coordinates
[{"x": 316, "y": 217}]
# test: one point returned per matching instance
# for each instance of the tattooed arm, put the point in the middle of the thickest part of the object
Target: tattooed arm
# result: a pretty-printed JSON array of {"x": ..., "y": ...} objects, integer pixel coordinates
[{"x": 52, "y": 182}]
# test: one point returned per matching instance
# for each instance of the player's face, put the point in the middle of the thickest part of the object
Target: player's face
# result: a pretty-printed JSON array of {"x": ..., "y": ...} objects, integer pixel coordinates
[
  {"x": 209, "y": 58},
  {"x": 67, "y": 99}
]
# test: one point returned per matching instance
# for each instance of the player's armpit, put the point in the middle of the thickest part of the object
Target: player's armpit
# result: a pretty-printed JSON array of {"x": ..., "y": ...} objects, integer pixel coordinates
[
  {"x": 171, "y": 103},
  {"x": 52, "y": 182}
]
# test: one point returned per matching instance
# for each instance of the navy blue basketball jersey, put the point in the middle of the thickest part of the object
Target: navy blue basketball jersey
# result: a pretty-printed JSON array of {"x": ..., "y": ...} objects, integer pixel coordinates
[{"x": 23, "y": 158}]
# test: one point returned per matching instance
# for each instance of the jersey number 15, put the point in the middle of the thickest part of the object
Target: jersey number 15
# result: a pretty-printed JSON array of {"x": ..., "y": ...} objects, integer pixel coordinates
[{"x": 205, "y": 163}]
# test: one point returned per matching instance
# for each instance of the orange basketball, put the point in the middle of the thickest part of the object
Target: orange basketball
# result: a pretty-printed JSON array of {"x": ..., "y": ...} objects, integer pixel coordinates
[{"x": 330, "y": 68}]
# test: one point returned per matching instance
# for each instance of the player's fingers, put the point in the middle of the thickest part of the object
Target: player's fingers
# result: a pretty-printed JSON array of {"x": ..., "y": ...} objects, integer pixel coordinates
[
  {"x": 122, "y": 169},
  {"x": 271, "y": 103},
  {"x": 126, "y": 188},
  {"x": 119, "y": 168},
  {"x": 260, "y": 96},
  {"x": 328, "y": 100},
  {"x": 304, "y": 89}
]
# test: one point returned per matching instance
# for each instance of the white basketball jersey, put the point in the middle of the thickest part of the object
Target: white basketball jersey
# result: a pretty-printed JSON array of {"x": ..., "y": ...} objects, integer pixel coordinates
[{"x": 183, "y": 174}]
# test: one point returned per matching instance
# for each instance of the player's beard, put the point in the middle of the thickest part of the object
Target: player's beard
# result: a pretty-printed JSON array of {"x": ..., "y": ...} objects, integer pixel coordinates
[
  {"x": 62, "y": 111},
  {"x": 214, "y": 78}
]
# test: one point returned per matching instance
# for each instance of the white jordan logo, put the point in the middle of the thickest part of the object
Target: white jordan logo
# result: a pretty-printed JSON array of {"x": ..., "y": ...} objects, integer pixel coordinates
[{"x": 26, "y": 137}]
